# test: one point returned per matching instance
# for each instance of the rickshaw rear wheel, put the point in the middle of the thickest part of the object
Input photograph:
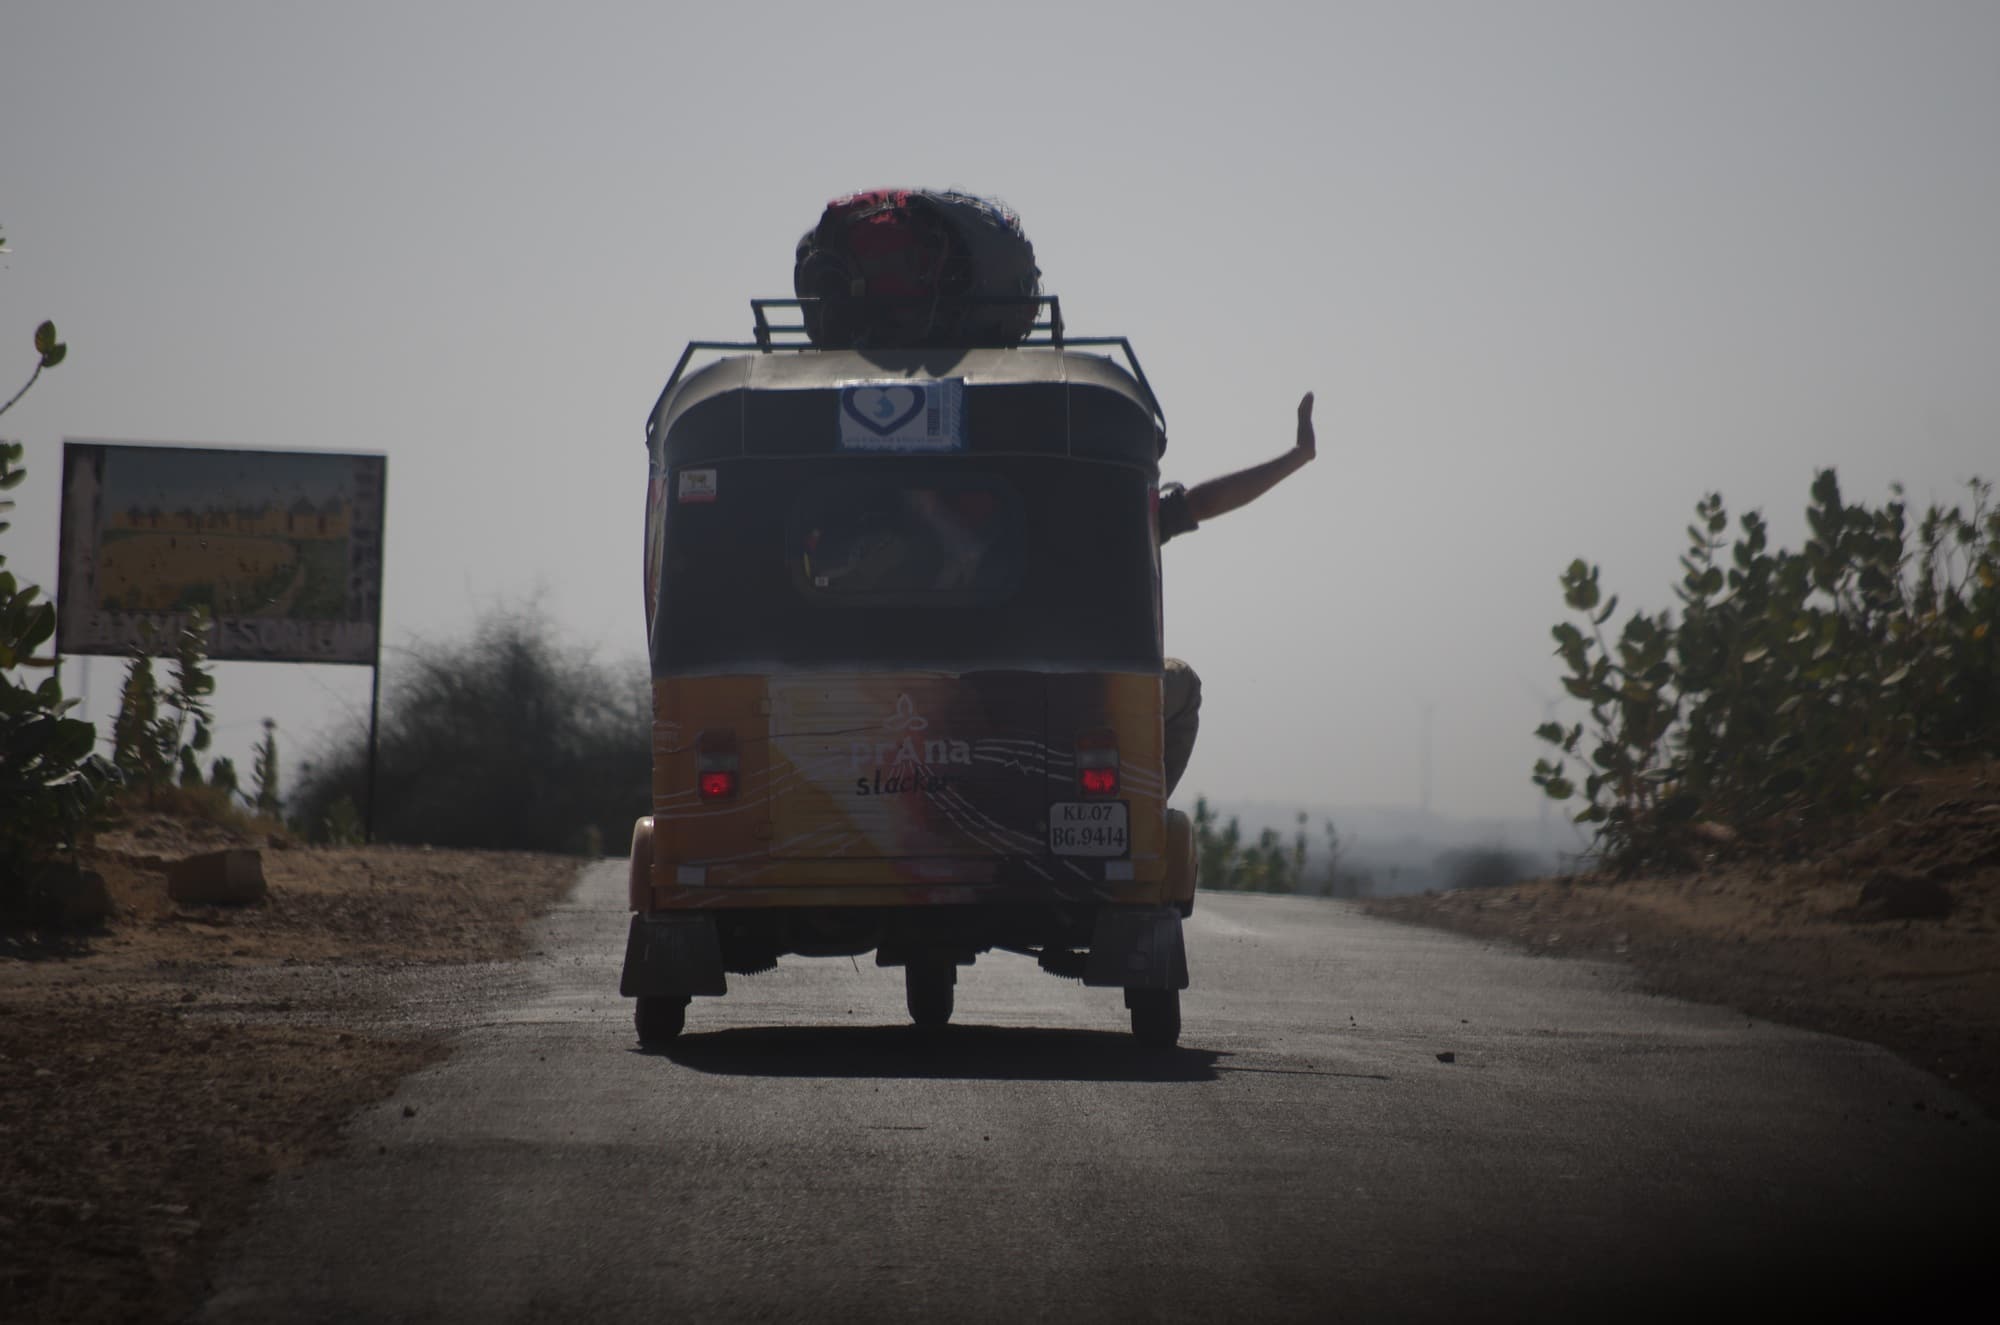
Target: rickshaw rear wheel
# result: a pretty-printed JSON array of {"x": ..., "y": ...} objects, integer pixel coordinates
[
  {"x": 659, "y": 1017},
  {"x": 927, "y": 988},
  {"x": 1156, "y": 1016}
]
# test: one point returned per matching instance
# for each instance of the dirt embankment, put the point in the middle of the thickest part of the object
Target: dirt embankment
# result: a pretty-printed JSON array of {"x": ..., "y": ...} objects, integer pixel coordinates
[
  {"x": 1894, "y": 938},
  {"x": 155, "y": 1073}
]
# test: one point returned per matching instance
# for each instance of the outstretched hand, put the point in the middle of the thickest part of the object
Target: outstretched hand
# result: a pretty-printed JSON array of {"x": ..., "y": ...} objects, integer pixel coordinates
[{"x": 1219, "y": 496}]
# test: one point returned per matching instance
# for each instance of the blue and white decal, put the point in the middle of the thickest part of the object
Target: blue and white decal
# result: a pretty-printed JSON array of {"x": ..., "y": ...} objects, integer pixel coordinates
[{"x": 903, "y": 416}]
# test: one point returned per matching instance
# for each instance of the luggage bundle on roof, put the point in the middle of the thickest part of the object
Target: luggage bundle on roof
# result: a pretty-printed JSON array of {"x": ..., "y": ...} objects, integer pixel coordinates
[{"x": 913, "y": 268}]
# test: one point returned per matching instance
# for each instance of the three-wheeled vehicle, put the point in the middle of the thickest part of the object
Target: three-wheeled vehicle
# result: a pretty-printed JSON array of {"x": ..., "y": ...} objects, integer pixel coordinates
[{"x": 905, "y": 621}]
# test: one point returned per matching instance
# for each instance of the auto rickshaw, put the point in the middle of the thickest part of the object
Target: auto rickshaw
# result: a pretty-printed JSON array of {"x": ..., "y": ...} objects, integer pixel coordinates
[{"x": 905, "y": 621}]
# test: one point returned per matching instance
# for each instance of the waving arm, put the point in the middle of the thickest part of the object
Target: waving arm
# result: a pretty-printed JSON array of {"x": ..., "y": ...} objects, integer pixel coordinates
[{"x": 1219, "y": 496}]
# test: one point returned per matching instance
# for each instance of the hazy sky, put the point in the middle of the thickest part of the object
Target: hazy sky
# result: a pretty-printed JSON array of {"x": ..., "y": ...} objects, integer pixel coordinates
[{"x": 1555, "y": 271}]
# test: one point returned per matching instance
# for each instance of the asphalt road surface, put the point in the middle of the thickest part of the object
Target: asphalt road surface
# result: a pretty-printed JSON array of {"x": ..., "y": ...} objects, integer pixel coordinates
[{"x": 1363, "y": 1122}]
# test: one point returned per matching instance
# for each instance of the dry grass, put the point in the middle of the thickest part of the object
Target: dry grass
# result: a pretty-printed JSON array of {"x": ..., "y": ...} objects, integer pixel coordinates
[{"x": 154, "y": 1074}]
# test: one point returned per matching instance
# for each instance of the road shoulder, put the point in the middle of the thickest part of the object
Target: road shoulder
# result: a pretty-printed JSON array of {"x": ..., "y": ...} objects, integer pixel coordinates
[
  {"x": 1790, "y": 944},
  {"x": 157, "y": 1074}
]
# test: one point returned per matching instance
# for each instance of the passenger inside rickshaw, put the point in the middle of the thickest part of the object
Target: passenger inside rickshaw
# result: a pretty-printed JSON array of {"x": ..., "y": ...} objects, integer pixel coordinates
[{"x": 883, "y": 538}]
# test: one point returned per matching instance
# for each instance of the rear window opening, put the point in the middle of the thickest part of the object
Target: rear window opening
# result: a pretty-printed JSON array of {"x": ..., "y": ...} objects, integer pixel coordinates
[
  {"x": 885, "y": 540},
  {"x": 1027, "y": 561}
]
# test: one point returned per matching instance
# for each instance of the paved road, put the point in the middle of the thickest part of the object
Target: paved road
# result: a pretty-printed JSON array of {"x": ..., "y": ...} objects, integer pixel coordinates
[{"x": 1588, "y": 1153}]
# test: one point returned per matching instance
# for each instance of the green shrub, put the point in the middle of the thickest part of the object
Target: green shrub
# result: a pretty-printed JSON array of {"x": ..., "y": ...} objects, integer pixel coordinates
[
  {"x": 265, "y": 772},
  {"x": 1795, "y": 688},
  {"x": 52, "y": 784},
  {"x": 161, "y": 732},
  {"x": 340, "y": 826},
  {"x": 503, "y": 740},
  {"x": 1271, "y": 864}
]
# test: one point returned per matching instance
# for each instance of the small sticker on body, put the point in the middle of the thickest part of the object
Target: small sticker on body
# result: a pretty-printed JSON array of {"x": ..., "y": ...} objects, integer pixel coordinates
[{"x": 697, "y": 485}]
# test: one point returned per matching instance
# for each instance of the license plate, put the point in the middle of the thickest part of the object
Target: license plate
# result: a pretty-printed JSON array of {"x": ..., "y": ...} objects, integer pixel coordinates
[{"x": 1088, "y": 828}]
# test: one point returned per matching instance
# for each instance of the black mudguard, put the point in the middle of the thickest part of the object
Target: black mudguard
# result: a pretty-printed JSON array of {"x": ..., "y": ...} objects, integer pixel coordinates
[
  {"x": 673, "y": 955},
  {"x": 1137, "y": 947}
]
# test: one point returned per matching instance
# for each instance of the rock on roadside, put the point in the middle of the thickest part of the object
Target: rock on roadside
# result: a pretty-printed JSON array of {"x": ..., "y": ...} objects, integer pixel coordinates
[{"x": 219, "y": 878}]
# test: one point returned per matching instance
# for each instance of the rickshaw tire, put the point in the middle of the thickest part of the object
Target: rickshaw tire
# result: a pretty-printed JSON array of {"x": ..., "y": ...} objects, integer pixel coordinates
[
  {"x": 1156, "y": 1016},
  {"x": 927, "y": 989},
  {"x": 659, "y": 1017}
]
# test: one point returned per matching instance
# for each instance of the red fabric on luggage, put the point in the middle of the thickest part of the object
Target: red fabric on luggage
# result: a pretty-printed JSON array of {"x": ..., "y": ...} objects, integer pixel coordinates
[
  {"x": 908, "y": 267},
  {"x": 891, "y": 248}
]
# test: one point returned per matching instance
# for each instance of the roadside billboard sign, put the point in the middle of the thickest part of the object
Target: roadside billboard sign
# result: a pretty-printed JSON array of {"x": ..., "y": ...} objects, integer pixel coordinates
[{"x": 283, "y": 549}]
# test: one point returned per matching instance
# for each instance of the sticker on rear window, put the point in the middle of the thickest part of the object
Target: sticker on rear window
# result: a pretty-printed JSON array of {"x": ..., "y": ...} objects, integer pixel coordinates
[
  {"x": 903, "y": 416},
  {"x": 697, "y": 485}
]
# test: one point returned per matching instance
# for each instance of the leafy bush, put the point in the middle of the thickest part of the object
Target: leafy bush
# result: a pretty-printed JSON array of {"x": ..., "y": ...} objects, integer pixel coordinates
[
  {"x": 52, "y": 785},
  {"x": 504, "y": 740},
  {"x": 1270, "y": 864},
  {"x": 341, "y": 825},
  {"x": 163, "y": 731},
  {"x": 134, "y": 744},
  {"x": 1796, "y": 687},
  {"x": 267, "y": 801}
]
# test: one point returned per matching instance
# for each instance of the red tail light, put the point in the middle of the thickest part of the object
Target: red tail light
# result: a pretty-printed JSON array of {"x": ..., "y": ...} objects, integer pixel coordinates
[
  {"x": 715, "y": 765},
  {"x": 1097, "y": 762},
  {"x": 1099, "y": 781}
]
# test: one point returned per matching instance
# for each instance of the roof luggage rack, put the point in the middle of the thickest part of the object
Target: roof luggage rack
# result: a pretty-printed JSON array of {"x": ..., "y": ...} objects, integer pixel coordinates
[{"x": 771, "y": 337}]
